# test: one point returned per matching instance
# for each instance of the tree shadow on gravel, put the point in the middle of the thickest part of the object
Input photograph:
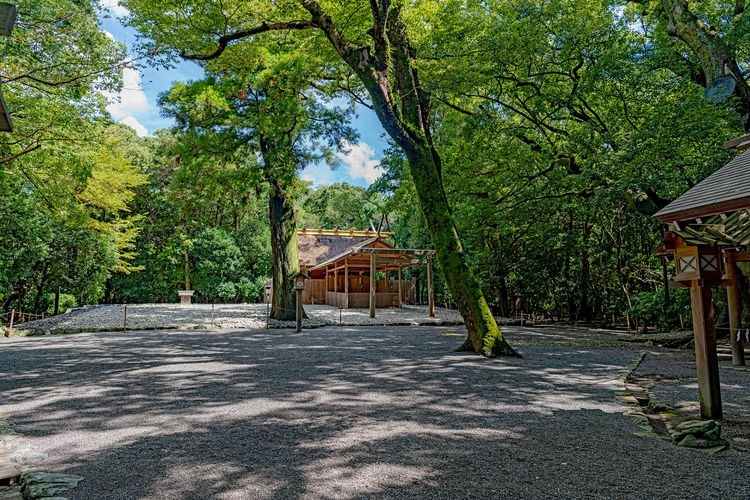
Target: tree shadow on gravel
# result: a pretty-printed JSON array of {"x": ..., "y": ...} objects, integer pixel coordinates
[{"x": 334, "y": 413}]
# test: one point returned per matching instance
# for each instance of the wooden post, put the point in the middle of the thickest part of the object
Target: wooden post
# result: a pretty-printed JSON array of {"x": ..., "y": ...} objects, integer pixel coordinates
[
  {"x": 328, "y": 283},
  {"x": 707, "y": 364},
  {"x": 372, "y": 285},
  {"x": 57, "y": 301},
  {"x": 12, "y": 317},
  {"x": 125, "y": 319},
  {"x": 346, "y": 285},
  {"x": 430, "y": 288},
  {"x": 299, "y": 311},
  {"x": 733, "y": 306},
  {"x": 398, "y": 283}
]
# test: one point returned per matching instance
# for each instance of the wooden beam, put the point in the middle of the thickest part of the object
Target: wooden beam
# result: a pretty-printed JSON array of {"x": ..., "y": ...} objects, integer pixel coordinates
[
  {"x": 342, "y": 232},
  {"x": 396, "y": 251},
  {"x": 706, "y": 360},
  {"x": 346, "y": 285},
  {"x": 391, "y": 260},
  {"x": 430, "y": 288},
  {"x": 372, "y": 285},
  {"x": 742, "y": 256},
  {"x": 718, "y": 283},
  {"x": 734, "y": 308},
  {"x": 398, "y": 283},
  {"x": 739, "y": 143}
]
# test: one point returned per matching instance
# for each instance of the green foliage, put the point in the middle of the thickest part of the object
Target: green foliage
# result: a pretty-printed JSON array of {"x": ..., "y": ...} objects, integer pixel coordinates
[
  {"x": 69, "y": 174},
  {"x": 67, "y": 301},
  {"x": 340, "y": 205},
  {"x": 650, "y": 308},
  {"x": 217, "y": 265},
  {"x": 252, "y": 290},
  {"x": 561, "y": 126}
]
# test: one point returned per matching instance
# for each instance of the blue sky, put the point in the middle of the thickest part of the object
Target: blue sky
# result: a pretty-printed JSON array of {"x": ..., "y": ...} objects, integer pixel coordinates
[{"x": 136, "y": 106}]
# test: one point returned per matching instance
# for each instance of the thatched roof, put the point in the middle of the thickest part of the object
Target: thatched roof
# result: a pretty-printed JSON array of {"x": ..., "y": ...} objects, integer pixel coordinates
[{"x": 315, "y": 248}]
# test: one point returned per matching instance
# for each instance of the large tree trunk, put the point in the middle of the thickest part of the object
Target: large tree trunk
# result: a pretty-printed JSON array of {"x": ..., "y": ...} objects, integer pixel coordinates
[
  {"x": 716, "y": 58},
  {"x": 40, "y": 288},
  {"x": 484, "y": 336},
  {"x": 284, "y": 251},
  {"x": 390, "y": 78}
]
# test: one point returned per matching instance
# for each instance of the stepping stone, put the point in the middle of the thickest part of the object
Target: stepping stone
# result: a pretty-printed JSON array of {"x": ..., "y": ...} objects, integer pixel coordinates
[{"x": 9, "y": 472}]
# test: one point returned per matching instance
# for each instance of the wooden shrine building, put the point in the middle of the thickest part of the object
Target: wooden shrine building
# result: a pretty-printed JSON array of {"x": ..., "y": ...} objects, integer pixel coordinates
[
  {"x": 357, "y": 269},
  {"x": 709, "y": 233}
]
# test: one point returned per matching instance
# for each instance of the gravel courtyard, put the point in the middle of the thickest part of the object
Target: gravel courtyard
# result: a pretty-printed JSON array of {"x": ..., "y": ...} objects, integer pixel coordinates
[
  {"x": 338, "y": 412},
  {"x": 149, "y": 316}
]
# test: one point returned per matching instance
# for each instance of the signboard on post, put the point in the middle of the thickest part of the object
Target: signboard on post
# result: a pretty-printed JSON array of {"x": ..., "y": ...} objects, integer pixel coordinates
[{"x": 299, "y": 285}]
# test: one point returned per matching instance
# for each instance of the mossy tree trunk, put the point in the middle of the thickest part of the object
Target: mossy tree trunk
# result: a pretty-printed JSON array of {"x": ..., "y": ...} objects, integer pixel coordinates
[
  {"x": 284, "y": 251},
  {"x": 484, "y": 336},
  {"x": 391, "y": 79},
  {"x": 279, "y": 171},
  {"x": 716, "y": 58}
]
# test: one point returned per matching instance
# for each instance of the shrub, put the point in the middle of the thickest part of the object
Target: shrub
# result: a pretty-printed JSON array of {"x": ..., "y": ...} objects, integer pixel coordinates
[{"x": 67, "y": 301}]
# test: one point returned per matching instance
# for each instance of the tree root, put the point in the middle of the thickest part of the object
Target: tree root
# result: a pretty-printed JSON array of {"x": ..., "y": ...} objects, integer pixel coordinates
[{"x": 499, "y": 349}]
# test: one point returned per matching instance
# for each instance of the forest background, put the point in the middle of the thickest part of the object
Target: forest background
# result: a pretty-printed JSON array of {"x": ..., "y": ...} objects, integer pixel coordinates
[{"x": 562, "y": 126}]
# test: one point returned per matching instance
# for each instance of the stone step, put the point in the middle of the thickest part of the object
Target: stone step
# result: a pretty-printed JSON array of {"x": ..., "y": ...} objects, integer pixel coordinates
[{"x": 9, "y": 472}]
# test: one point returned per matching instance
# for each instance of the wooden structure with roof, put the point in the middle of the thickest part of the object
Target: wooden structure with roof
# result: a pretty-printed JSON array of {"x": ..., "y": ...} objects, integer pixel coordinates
[
  {"x": 344, "y": 265},
  {"x": 709, "y": 233}
]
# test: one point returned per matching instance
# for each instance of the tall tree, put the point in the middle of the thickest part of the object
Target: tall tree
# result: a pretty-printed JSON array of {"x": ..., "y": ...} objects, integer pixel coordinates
[
  {"x": 373, "y": 40},
  {"x": 53, "y": 65},
  {"x": 267, "y": 105},
  {"x": 65, "y": 159}
]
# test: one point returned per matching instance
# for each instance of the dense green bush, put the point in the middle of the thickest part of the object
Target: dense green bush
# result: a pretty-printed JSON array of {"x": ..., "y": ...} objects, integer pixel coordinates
[
  {"x": 649, "y": 309},
  {"x": 67, "y": 301}
]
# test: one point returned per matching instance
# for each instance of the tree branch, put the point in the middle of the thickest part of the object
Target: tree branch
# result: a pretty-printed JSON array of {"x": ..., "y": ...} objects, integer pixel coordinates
[{"x": 225, "y": 40}]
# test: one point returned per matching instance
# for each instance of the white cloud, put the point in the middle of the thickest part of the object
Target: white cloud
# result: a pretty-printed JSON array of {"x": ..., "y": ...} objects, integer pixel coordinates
[
  {"x": 360, "y": 162},
  {"x": 131, "y": 99},
  {"x": 129, "y": 102},
  {"x": 114, "y": 7},
  {"x": 132, "y": 122}
]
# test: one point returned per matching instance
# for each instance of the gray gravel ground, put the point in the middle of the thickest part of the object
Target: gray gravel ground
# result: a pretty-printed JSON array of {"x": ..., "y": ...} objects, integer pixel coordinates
[
  {"x": 147, "y": 316},
  {"x": 381, "y": 412},
  {"x": 675, "y": 384}
]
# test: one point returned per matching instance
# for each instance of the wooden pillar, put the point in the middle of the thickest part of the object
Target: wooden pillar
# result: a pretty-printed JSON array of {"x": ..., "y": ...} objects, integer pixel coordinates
[
  {"x": 709, "y": 390},
  {"x": 346, "y": 285},
  {"x": 398, "y": 283},
  {"x": 373, "y": 288},
  {"x": 430, "y": 288},
  {"x": 298, "y": 316},
  {"x": 734, "y": 309}
]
